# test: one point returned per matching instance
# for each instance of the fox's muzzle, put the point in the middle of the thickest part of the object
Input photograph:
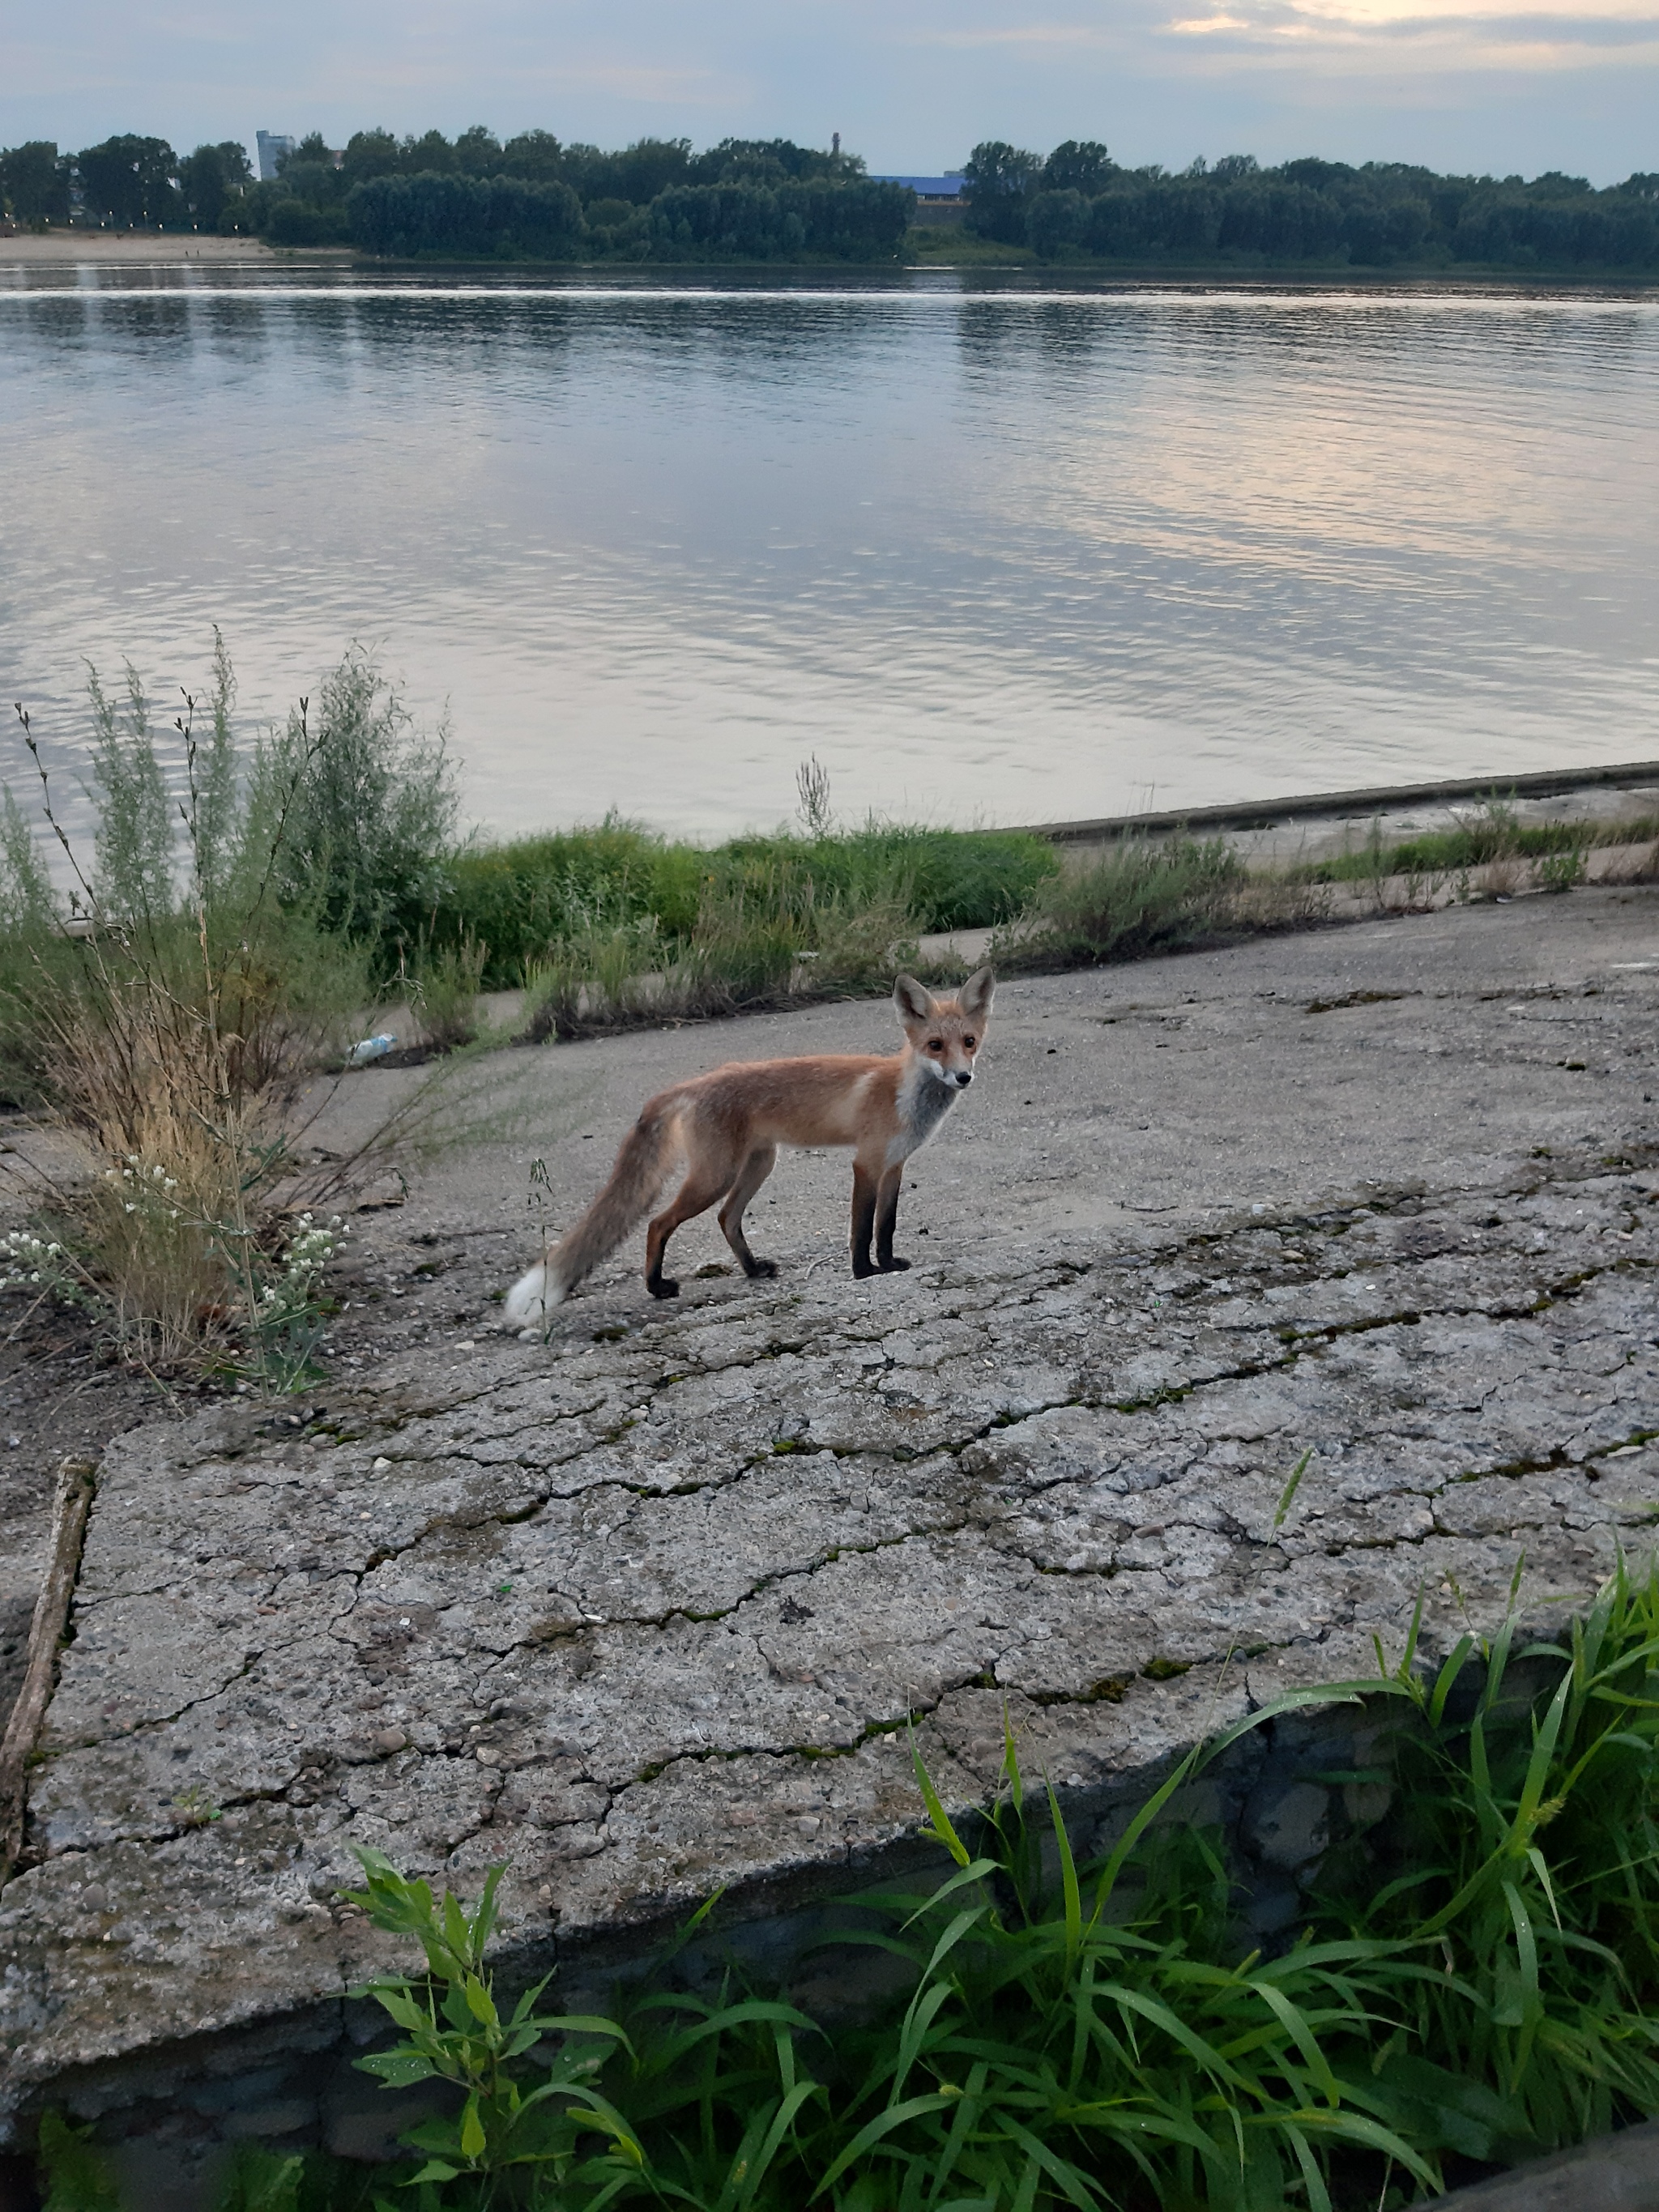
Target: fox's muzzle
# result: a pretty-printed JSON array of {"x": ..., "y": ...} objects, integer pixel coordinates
[{"x": 963, "y": 1078}]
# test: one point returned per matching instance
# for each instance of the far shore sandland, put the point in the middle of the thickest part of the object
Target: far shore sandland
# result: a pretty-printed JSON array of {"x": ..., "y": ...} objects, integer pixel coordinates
[{"x": 67, "y": 246}]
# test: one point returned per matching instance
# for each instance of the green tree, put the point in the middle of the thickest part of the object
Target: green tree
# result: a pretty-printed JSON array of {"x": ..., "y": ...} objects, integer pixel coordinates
[
  {"x": 998, "y": 181},
  {"x": 478, "y": 152},
  {"x": 369, "y": 153},
  {"x": 212, "y": 178},
  {"x": 505, "y": 218},
  {"x": 318, "y": 184},
  {"x": 636, "y": 175},
  {"x": 534, "y": 154},
  {"x": 649, "y": 166},
  {"x": 430, "y": 155},
  {"x": 129, "y": 182},
  {"x": 367, "y": 805},
  {"x": 34, "y": 182},
  {"x": 768, "y": 161},
  {"x": 314, "y": 147},
  {"x": 1057, "y": 222},
  {"x": 1079, "y": 164}
]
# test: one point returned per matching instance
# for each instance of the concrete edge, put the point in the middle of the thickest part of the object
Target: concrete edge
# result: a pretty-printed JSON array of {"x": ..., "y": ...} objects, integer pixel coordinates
[
  {"x": 1611, "y": 2173},
  {"x": 1263, "y": 813}
]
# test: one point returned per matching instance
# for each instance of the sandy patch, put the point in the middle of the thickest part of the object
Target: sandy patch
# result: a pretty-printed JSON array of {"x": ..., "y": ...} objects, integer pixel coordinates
[{"x": 67, "y": 247}]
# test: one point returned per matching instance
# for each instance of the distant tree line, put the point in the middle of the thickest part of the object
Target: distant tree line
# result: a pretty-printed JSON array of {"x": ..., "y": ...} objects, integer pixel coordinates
[
  {"x": 1079, "y": 203},
  {"x": 535, "y": 197},
  {"x": 531, "y": 199},
  {"x": 125, "y": 184}
]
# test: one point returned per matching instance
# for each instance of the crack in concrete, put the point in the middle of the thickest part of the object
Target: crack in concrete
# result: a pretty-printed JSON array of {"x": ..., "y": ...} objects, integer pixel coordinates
[{"x": 1002, "y": 1316}]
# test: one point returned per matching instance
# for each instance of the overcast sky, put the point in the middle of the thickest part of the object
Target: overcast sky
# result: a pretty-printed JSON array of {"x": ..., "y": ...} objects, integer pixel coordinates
[{"x": 1471, "y": 85}]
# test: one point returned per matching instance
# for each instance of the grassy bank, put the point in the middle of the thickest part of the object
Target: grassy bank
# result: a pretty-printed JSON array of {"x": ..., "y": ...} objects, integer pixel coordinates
[
  {"x": 1474, "y": 1980},
  {"x": 245, "y": 906},
  {"x": 521, "y": 899}
]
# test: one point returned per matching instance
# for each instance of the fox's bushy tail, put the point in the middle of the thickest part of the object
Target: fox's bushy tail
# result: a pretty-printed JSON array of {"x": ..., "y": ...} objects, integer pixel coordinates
[{"x": 642, "y": 1169}]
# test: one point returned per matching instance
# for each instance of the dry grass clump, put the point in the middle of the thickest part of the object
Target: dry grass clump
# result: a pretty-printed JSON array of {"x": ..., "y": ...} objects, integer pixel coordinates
[
  {"x": 445, "y": 996},
  {"x": 163, "y": 1017}
]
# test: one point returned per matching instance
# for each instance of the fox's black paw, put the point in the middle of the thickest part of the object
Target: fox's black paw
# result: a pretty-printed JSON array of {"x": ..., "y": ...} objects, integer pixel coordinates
[
  {"x": 891, "y": 1267},
  {"x": 663, "y": 1288},
  {"x": 767, "y": 1268}
]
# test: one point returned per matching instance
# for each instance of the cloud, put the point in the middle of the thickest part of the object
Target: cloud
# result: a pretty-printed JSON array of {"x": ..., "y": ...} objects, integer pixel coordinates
[
  {"x": 1469, "y": 84},
  {"x": 1407, "y": 33},
  {"x": 1354, "y": 33}
]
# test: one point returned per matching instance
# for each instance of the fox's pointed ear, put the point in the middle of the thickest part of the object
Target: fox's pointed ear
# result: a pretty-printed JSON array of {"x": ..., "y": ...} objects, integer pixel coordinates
[
  {"x": 975, "y": 996},
  {"x": 914, "y": 1004}
]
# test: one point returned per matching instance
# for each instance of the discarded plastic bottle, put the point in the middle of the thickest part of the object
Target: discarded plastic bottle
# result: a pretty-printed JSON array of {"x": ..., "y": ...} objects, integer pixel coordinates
[{"x": 374, "y": 1047}]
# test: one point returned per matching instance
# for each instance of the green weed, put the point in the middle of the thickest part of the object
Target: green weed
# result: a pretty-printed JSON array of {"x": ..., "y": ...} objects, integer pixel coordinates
[
  {"x": 1141, "y": 895},
  {"x": 543, "y": 902},
  {"x": 1475, "y": 1979}
]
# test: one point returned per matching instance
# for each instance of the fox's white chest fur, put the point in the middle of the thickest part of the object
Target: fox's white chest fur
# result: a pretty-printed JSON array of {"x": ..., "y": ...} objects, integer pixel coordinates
[{"x": 923, "y": 1103}]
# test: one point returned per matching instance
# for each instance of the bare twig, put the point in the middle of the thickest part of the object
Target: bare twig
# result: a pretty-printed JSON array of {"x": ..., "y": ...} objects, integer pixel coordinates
[{"x": 77, "y": 1483}]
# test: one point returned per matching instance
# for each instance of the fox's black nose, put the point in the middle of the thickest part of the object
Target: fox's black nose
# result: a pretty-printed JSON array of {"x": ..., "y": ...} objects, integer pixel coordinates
[{"x": 964, "y": 1079}]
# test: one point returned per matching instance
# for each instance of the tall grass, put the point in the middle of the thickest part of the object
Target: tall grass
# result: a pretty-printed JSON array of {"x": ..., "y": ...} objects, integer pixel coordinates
[
  {"x": 1519, "y": 1864},
  {"x": 1140, "y": 896},
  {"x": 773, "y": 937},
  {"x": 1476, "y": 1980},
  {"x": 532, "y": 900},
  {"x": 165, "y": 1012}
]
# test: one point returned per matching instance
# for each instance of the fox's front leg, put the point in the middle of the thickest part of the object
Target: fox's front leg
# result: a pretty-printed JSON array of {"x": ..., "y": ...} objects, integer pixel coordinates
[
  {"x": 865, "y": 1190},
  {"x": 887, "y": 1198}
]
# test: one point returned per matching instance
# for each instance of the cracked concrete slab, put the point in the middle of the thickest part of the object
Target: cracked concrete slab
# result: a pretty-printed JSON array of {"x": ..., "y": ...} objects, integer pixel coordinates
[
  {"x": 645, "y": 1611},
  {"x": 646, "y": 1617}
]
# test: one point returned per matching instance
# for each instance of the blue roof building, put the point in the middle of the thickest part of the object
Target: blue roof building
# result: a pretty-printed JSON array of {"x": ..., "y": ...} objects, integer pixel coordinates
[{"x": 946, "y": 190}]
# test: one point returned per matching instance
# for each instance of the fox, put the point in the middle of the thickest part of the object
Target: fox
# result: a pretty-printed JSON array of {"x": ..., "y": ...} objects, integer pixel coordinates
[{"x": 728, "y": 1124}]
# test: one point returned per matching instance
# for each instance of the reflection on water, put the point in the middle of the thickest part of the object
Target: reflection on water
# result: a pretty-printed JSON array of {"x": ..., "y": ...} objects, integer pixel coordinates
[{"x": 990, "y": 551}]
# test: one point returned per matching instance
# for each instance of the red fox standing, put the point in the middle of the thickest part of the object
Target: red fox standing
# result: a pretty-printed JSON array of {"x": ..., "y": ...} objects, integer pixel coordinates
[{"x": 729, "y": 1123}]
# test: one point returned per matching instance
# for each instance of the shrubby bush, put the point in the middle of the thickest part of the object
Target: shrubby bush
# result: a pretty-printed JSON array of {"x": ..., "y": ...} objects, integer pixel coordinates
[
  {"x": 510, "y": 217},
  {"x": 367, "y": 806},
  {"x": 1079, "y": 201}
]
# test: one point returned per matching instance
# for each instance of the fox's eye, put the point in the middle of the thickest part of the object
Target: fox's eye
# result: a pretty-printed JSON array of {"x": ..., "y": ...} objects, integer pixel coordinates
[
  {"x": 968, "y": 1043},
  {"x": 936, "y": 1044}
]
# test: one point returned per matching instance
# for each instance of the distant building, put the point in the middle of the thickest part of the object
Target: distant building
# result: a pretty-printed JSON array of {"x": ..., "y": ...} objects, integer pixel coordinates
[
  {"x": 272, "y": 145},
  {"x": 938, "y": 199}
]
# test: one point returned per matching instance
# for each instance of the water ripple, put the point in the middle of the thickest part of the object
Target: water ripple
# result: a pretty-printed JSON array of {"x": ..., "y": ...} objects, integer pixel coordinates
[{"x": 1003, "y": 551}]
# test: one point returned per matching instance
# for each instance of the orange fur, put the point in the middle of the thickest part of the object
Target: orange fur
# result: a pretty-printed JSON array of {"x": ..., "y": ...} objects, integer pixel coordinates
[{"x": 729, "y": 1124}]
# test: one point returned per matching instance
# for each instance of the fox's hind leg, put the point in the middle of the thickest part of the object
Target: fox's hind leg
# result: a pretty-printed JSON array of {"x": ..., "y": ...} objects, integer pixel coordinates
[
  {"x": 750, "y": 1176},
  {"x": 700, "y": 1188}
]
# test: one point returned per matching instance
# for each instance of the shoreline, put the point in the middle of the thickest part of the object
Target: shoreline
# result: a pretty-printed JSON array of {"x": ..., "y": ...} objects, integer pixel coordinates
[
  {"x": 1345, "y": 805},
  {"x": 71, "y": 249}
]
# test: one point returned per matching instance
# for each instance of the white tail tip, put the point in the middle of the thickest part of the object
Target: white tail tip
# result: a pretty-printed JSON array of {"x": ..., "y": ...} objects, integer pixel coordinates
[{"x": 532, "y": 1297}]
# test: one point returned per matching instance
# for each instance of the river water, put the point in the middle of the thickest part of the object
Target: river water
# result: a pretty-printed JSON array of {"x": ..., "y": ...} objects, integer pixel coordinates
[{"x": 996, "y": 549}]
